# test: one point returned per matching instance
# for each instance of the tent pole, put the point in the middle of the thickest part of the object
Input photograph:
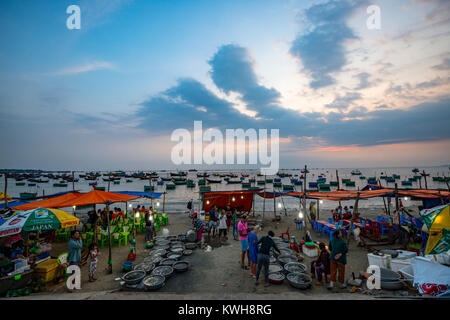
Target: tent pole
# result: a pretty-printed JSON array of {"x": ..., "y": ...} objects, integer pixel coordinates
[
  {"x": 109, "y": 240},
  {"x": 6, "y": 190},
  {"x": 384, "y": 201},
  {"x": 164, "y": 202},
  {"x": 355, "y": 210}
]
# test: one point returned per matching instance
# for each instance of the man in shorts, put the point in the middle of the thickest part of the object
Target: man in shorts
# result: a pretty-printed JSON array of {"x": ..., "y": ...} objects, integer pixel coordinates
[
  {"x": 243, "y": 237},
  {"x": 212, "y": 221}
]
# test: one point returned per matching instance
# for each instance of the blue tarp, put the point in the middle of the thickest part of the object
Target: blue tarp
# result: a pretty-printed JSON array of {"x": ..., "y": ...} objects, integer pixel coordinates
[
  {"x": 13, "y": 204},
  {"x": 154, "y": 195},
  {"x": 47, "y": 196}
]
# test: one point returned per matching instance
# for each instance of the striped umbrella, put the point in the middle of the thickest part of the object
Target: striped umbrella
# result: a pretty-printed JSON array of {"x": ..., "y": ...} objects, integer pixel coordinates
[{"x": 39, "y": 219}]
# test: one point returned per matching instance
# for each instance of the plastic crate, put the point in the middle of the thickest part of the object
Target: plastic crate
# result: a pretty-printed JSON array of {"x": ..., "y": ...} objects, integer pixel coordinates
[{"x": 381, "y": 261}]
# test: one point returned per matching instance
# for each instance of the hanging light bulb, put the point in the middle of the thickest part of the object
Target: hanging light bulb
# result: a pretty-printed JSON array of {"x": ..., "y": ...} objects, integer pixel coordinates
[
  {"x": 406, "y": 199},
  {"x": 207, "y": 201},
  {"x": 242, "y": 197},
  {"x": 279, "y": 205},
  {"x": 300, "y": 215},
  {"x": 233, "y": 199},
  {"x": 320, "y": 201},
  {"x": 157, "y": 203},
  {"x": 130, "y": 205},
  {"x": 74, "y": 207},
  {"x": 137, "y": 214}
]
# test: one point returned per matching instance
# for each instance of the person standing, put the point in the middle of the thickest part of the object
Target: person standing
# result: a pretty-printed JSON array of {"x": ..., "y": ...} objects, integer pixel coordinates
[
  {"x": 74, "y": 248},
  {"x": 243, "y": 237},
  {"x": 190, "y": 207},
  {"x": 213, "y": 221},
  {"x": 223, "y": 225},
  {"x": 264, "y": 256},
  {"x": 338, "y": 259},
  {"x": 93, "y": 254},
  {"x": 253, "y": 249},
  {"x": 148, "y": 226},
  {"x": 234, "y": 223},
  {"x": 229, "y": 218},
  {"x": 198, "y": 227}
]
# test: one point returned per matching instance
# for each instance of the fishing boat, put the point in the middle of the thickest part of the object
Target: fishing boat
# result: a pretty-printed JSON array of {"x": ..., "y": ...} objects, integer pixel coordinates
[
  {"x": 313, "y": 185},
  {"x": 149, "y": 188},
  {"x": 350, "y": 183},
  {"x": 93, "y": 184},
  {"x": 415, "y": 170},
  {"x": 166, "y": 179},
  {"x": 190, "y": 184},
  {"x": 60, "y": 185},
  {"x": 362, "y": 177},
  {"x": 20, "y": 184},
  {"x": 204, "y": 175},
  {"x": 129, "y": 181},
  {"x": 344, "y": 180},
  {"x": 234, "y": 181},
  {"x": 321, "y": 180},
  {"x": 246, "y": 184},
  {"x": 252, "y": 180},
  {"x": 260, "y": 182},
  {"x": 407, "y": 183},
  {"x": 160, "y": 183},
  {"x": 212, "y": 180},
  {"x": 288, "y": 187},
  {"x": 418, "y": 177},
  {"x": 192, "y": 170},
  {"x": 205, "y": 188},
  {"x": 179, "y": 181},
  {"x": 298, "y": 183},
  {"x": 324, "y": 187},
  {"x": 170, "y": 186},
  {"x": 334, "y": 183},
  {"x": 32, "y": 184},
  {"x": 201, "y": 182},
  {"x": 396, "y": 176},
  {"x": 277, "y": 184},
  {"x": 412, "y": 179},
  {"x": 178, "y": 174},
  {"x": 390, "y": 180},
  {"x": 27, "y": 195},
  {"x": 100, "y": 188},
  {"x": 356, "y": 172},
  {"x": 117, "y": 182},
  {"x": 269, "y": 180}
]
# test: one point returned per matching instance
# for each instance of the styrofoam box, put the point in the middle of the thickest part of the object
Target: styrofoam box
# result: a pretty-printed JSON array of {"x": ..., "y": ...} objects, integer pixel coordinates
[
  {"x": 397, "y": 264},
  {"x": 402, "y": 255},
  {"x": 310, "y": 252},
  {"x": 381, "y": 261}
]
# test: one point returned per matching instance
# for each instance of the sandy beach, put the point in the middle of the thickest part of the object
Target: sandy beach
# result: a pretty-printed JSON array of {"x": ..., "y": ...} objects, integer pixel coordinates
[{"x": 216, "y": 273}]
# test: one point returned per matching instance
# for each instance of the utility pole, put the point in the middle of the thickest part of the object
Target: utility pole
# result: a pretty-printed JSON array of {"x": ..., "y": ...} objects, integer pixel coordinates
[{"x": 424, "y": 175}]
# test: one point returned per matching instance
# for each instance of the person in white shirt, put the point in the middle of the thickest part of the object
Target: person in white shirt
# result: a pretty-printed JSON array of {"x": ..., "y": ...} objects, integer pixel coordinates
[{"x": 223, "y": 225}]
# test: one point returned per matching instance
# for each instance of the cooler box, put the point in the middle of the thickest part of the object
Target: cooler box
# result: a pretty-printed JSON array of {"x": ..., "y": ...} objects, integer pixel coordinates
[
  {"x": 381, "y": 261},
  {"x": 398, "y": 264},
  {"x": 47, "y": 270},
  {"x": 310, "y": 249}
]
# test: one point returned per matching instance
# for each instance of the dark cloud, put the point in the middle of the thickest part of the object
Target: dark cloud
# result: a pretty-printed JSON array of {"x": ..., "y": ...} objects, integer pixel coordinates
[
  {"x": 321, "y": 48},
  {"x": 232, "y": 71},
  {"x": 436, "y": 82}
]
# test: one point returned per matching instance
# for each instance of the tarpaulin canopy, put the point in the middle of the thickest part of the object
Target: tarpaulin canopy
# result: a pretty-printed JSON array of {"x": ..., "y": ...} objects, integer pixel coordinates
[
  {"x": 271, "y": 195},
  {"x": 13, "y": 204},
  {"x": 154, "y": 195},
  {"x": 78, "y": 199},
  {"x": 241, "y": 200},
  {"x": 341, "y": 195},
  {"x": 56, "y": 202},
  {"x": 97, "y": 197}
]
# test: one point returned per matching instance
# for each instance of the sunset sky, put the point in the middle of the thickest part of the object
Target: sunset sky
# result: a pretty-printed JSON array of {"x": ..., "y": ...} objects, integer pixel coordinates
[{"x": 109, "y": 95}]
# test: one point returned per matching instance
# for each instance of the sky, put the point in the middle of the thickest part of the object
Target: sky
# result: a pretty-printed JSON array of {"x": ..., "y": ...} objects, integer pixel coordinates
[{"x": 109, "y": 95}]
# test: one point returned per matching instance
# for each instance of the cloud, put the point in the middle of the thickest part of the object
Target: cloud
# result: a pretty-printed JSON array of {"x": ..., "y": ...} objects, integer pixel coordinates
[
  {"x": 444, "y": 65},
  {"x": 321, "y": 49},
  {"x": 343, "y": 102},
  {"x": 232, "y": 71},
  {"x": 92, "y": 66},
  {"x": 364, "y": 82},
  {"x": 436, "y": 82},
  {"x": 98, "y": 12}
]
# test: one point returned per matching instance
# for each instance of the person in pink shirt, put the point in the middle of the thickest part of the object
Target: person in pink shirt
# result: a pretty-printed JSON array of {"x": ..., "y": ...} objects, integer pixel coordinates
[{"x": 243, "y": 237}]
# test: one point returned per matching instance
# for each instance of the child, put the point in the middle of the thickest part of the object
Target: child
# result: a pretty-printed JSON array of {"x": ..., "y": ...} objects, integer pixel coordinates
[{"x": 93, "y": 253}]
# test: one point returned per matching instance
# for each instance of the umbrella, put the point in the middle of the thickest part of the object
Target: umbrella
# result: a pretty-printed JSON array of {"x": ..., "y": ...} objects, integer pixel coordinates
[
  {"x": 37, "y": 220},
  {"x": 437, "y": 220}
]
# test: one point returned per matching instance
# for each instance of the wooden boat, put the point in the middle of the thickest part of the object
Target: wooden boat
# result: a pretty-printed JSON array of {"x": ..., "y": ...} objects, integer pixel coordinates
[
  {"x": 396, "y": 176},
  {"x": 334, "y": 183},
  {"x": 362, "y": 177},
  {"x": 269, "y": 180},
  {"x": 166, "y": 179},
  {"x": 390, "y": 180},
  {"x": 20, "y": 184},
  {"x": 117, "y": 182},
  {"x": 190, "y": 184},
  {"x": 313, "y": 184},
  {"x": 277, "y": 184},
  {"x": 412, "y": 179},
  {"x": 149, "y": 188},
  {"x": 356, "y": 172},
  {"x": 60, "y": 185},
  {"x": 100, "y": 188},
  {"x": 234, "y": 181},
  {"x": 32, "y": 184},
  {"x": 344, "y": 180},
  {"x": 201, "y": 182},
  {"x": 288, "y": 187},
  {"x": 205, "y": 188},
  {"x": 179, "y": 181},
  {"x": 160, "y": 183},
  {"x": 418, "y": 177},
  {"x": 407, "y": 183},
  {"x": 260, "y": 182},
  {"x": 350, "y": 183},
  {"x": 252, "y": 180},
  {"x": 211, "y": 180},
  {"x": 246, "y": 185},
  {"x": 321, "y": 180},
  {"x": 324, "y": 187},
  {"x": 170, "y": 186},
  {"x": 129, "y": 181},
  {"x": 28, "y": 195},
  {"x": 298, "y": 183}
]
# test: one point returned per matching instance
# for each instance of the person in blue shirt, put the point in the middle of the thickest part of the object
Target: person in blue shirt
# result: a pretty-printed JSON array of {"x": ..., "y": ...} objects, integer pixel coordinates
[
  {"x": 253, "y": 249},
  {"x": 74, "y": 248}
]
